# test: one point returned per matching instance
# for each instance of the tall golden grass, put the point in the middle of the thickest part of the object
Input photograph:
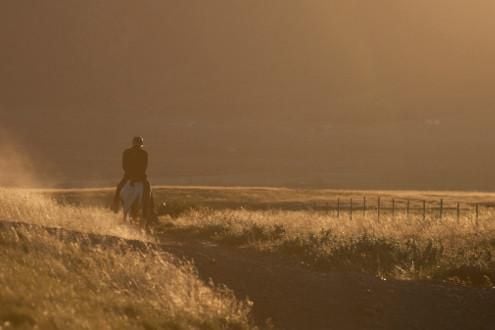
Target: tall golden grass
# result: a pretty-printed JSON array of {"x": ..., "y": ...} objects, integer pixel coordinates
[
  {"x": 69, "y": 283},
  {"x": 400, "y": 246},
  {"x": 35, "y": 208}
]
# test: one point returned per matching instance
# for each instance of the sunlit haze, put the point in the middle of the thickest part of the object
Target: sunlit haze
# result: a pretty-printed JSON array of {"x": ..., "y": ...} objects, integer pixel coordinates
[{"x": 340, "y": 94}]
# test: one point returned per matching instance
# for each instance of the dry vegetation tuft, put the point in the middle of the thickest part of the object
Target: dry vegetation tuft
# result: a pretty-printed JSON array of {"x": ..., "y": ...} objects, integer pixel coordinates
[{"x": 402, "y": 247}]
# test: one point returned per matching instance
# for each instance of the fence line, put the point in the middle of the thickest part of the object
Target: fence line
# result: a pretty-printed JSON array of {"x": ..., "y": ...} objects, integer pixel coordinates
[{"x": 407, "y": 206}]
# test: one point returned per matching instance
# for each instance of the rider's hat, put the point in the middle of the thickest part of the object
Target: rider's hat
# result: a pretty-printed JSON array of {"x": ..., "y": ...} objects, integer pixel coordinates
[{"x": 137, "y": 141}]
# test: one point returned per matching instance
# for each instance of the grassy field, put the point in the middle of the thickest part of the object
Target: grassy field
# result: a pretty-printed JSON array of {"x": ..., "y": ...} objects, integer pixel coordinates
[
  {"x": 73, "y": 267},
  {"x": 282, "y": 220},
  {"x": 399, "y": 247},
  {"x": 90, "y": 282},
  {"x": 262, "y": 198}
]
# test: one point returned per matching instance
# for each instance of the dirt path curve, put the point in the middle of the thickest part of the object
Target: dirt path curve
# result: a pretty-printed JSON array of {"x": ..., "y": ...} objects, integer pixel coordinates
[{"x": 294, "y": 297}]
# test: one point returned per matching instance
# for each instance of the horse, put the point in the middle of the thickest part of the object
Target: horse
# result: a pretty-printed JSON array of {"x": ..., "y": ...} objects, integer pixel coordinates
[{"x": 131, "y": 196}]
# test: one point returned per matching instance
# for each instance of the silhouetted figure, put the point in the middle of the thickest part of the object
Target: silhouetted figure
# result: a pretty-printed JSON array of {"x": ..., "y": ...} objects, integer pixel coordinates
[{"x": 134, "y": 164}]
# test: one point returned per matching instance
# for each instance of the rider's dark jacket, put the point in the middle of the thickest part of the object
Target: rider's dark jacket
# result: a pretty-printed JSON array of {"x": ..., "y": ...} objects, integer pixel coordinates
[{"x": 134, "y": 163}]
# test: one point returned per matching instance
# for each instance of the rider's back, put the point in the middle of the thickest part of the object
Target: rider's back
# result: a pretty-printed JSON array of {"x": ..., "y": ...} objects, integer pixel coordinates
[{"x": 134, "y": 163}]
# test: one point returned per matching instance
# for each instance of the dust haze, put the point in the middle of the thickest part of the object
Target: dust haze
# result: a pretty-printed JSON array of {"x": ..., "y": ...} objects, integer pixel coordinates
[
  {"x": 16, "y": 168},
  {"x": 344, "y": 94}
]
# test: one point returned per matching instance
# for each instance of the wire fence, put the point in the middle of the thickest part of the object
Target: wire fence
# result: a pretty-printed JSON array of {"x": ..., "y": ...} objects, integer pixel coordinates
[{"x": 380, "y": 206}]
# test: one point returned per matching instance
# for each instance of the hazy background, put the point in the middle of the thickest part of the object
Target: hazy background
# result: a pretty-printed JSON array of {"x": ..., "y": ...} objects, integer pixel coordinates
[{"x": 357, "y": 94}]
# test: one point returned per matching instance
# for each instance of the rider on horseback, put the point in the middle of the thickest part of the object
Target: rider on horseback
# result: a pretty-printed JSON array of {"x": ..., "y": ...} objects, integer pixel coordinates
[{"x": 135, "y": 163}]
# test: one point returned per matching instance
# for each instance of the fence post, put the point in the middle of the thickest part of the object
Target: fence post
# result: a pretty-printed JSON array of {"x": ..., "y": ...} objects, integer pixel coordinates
[
  {"x": 393, "y": 207},
  {"x": 458, "y": 211},
  {"x": 338, "y": 207},
  {"x": 424, "y": 210},
  {"x": 350, "y": 210},
  {"x": 441, "y": 209},
  {"x": 364, "y": 206},
  {"x": 477, "y": 213},
  {"x": 407, "y": 207},
  {"x": 379, "y": 207}
]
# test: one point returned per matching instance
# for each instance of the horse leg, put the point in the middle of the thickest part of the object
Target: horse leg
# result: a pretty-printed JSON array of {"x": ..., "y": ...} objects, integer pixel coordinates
[{"x": 134, "y": 210}]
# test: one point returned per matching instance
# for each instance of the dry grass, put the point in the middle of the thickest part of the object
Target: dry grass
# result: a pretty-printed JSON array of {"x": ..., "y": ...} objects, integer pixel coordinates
[
  {"x": 183, "y": 198},
  {"x": 71, "y": 283},
  {"x": 34, "y": 208},
  {"x": 404, "y": 247}
]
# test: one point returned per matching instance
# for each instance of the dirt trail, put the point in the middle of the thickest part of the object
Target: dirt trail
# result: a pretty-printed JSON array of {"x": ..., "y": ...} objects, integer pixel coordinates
[{"x": 294, "y": 297}]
